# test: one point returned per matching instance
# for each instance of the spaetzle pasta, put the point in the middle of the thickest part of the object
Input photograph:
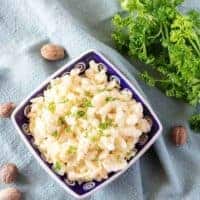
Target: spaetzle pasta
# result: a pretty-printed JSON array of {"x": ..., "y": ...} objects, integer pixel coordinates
[{"x": 85, "y": 126}]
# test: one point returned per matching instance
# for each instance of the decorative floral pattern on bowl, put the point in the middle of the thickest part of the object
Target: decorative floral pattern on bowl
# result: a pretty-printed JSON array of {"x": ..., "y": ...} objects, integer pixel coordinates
[{"x": 20, "y": 120}]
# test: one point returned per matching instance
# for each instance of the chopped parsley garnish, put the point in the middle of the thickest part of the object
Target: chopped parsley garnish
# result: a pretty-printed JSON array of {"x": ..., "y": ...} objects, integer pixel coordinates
[
  {"x": 68, "y": 129},
  {"x": 80, "y": 113},
  {"x": 95, "y": 138},
  {"x": 57, "y": 166},
  {"x": 72, "y": 149},
  {"x": 85, "y": 134},
  {"x": 106, "y": 124},
  {"x": 52, "y": 107},
  {"x": 102, "y": 133},
  {"x": 86, "y": 103},
  {"x": 61, "y": 120},
  {"x": 68, "y": 113},
  {"x": 87, "y": 93},
  {"x": 64, "y": 101},
  {"x": 103, "y": 90},
  {"x": 55, "y": 134},
  {"x": 108, "y": 99}
]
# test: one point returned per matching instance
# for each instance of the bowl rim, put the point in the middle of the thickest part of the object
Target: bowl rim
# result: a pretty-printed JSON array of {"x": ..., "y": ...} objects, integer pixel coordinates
[{"x": 43, "y": 164}]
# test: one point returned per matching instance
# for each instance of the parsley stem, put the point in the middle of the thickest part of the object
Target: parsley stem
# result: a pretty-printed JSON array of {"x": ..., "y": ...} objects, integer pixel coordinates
[
  {"x": 144, "y": 49},
  {"x": 166, "y": 32},
  {"x": 162, "y": 81},
  {"x": 195, "y": 47},
  {"x": 157, "y": 34},
  {"x": 162, "y": 31},
  {"x": 197, "y": 41},
  {"x": 197, "y": 83},
  {"x": 197, "y": 31}
]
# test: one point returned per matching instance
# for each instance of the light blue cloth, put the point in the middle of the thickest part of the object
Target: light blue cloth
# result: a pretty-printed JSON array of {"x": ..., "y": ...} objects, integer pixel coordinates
[{"x": 165, "y": 172}]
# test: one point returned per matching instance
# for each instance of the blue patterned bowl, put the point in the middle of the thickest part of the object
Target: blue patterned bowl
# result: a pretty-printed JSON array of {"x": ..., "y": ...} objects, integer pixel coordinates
[{"x": 20, "y": 120}]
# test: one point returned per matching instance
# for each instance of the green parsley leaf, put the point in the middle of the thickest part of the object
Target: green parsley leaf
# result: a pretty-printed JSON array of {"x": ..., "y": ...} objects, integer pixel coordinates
[
  {"x": 108, "y": 99},
  {"x": 55, "y": 134},
  {"x": 106, "y": 124},
  {"x": 86, "y": 103},
  {"x": 94, "y": 138},
  {"x": 85, "y": 134},
  {"x": 57, "y": 166},
  {"x": 52, "y": 107},
  {"x": 80, "y": 113},
  {"x": 61, "y": 120},
  {"x": 68, "y": 113},
  {"x": 64, "y": 101},
  {"x": 102, "y": 133},
  {"x": 87, "y": 93},
  {"x": 68, "y": 129},
  {"x": 167, "y": 40},
  {"x": 72, "y": 149},
  {"x": 103, "y": 90},
  {"x": 195, "y": 122}
]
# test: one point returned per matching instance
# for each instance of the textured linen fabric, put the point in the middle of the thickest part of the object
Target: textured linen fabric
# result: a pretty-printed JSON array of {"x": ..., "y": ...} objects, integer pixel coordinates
[{"x": 164, "y": 172}]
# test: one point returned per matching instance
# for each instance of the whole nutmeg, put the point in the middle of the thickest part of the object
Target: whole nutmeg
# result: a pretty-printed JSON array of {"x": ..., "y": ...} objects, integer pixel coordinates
[
  {"x": 8, "y": 173},
  {"x": 6, "y": 109},
  {"x": 10, "y": 194},
  {"x": 52, "y": 52},
  {"x": 179, "y": 135}
]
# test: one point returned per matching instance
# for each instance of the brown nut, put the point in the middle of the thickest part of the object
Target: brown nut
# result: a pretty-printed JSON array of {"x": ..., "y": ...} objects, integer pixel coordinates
[
  {"x": 8, "y": 173},
  {"x": 10, "y": 194},
  {"x": 179, "y": 135},
  {"x": 6, "y": 109},
  {"x": 52, "y": 52}
]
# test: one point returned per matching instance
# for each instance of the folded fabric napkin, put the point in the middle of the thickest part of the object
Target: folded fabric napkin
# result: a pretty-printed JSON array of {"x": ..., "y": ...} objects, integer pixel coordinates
[{"x": 164, "y": 172}]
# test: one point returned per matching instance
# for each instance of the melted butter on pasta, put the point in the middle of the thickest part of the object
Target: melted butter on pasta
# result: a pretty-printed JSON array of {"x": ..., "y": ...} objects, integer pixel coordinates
[{"x": 85, "y": 126}]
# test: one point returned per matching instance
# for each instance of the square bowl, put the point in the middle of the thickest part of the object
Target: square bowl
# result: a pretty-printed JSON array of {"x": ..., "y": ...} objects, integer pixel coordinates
[{"x": 20, "y": 120}]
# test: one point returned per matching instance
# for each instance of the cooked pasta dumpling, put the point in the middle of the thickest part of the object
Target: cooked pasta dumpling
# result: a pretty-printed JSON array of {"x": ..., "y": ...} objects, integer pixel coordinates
[{"x": 85, "y": 126}]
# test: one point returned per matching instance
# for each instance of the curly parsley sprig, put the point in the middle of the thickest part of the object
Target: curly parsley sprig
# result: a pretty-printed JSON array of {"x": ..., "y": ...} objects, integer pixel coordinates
[
  {"x": 195, "y": 122},
  {"x": 158, "y": 34}
]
